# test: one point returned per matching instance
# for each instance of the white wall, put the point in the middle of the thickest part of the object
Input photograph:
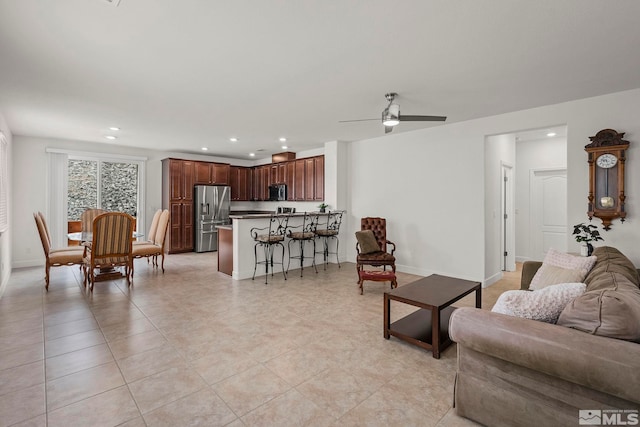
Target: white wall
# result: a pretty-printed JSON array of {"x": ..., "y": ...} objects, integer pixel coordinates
[
  {"x": 499, "y": 150},
  {"x": 549, "y": 153},
  {"x": 6, "y": 237},
  {"x": 429, "y": 183}
]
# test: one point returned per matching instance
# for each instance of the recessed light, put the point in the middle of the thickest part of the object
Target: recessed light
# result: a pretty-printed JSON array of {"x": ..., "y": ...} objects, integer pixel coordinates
[
  {"x": 551, "y": 134},
  {"x": 110, "y": 137},
  {"x": 283, "y": 139},
  {"x": 204, "y": 148},
  {"x": 252, "y": 154},
  {"x": 233, "y": 139},
  {"x": 114, "y": 128},
  {"x": 284, "y": 147}
]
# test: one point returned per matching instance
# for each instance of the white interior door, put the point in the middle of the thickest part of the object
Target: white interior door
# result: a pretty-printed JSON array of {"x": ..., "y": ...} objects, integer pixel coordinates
[{"x": 548, "y": 211}]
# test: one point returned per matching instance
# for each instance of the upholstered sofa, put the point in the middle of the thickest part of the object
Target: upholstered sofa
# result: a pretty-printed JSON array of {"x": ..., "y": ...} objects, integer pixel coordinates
[{"x": 520, "y": 372}]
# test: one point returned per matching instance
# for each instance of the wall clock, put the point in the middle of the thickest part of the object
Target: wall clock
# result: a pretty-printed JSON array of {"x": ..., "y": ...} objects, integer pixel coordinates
[{"x": 606, "y": 158}]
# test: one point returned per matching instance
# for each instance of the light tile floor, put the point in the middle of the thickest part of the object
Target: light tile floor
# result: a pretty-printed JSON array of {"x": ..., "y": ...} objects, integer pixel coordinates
[{"x": 193, "y": 347}]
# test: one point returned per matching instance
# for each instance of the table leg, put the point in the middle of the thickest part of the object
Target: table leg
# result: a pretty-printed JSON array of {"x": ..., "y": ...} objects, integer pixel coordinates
[
  {"x": 479, "y": 297},
  {"x": 435, "y": 333},
  {"x": 387, "y": 323}
]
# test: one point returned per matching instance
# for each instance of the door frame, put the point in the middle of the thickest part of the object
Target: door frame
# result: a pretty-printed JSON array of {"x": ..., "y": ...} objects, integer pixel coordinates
[{"x": 507, "y": 218}]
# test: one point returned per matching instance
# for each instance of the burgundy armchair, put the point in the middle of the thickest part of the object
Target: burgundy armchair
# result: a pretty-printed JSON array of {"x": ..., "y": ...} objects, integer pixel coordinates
[{"x": 381, "y": 258}]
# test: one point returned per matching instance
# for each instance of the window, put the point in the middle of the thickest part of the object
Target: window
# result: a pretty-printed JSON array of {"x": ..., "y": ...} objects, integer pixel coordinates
[
  {"x": 80, "y": 180},
  {"x": 109, "y": 185}
]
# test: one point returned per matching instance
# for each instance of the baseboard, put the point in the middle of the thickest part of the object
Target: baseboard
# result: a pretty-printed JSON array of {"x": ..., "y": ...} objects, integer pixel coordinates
[
  {"x": 28, "y": 263},
  {"x": 491, "y": 280},
  {"x": 523, "y": 259}
]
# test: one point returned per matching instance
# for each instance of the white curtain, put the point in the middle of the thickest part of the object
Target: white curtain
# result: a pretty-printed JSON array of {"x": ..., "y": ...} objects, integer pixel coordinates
[
  {"x": 4, "y": 184},
  {"x": 57, "y": 198}
]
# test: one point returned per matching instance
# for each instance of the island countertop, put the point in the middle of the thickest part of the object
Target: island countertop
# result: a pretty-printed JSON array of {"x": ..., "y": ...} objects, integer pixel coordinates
[
  {"x": 243, "y": 245},
  {"x": 268, "y": 215}
]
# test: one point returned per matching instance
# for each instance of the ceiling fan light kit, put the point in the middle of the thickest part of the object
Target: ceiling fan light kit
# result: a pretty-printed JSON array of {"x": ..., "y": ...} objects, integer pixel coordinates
[{"x": 391, "y": 115}]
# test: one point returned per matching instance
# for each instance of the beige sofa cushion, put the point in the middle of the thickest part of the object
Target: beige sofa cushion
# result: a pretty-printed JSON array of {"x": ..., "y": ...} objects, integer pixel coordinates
[
  {"x": 612, "y": 311},
  {"x": 610, "y": 260}
]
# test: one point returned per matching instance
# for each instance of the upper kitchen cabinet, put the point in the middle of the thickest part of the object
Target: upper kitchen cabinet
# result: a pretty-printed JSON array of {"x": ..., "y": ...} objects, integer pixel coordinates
[
  {"x": 318, "y": 178},
  {"x": 290, "y": 171},
  {"x": 299, "y": 180},
  {"x": 261, "y": 178},
  {"x": 241, "y": 183},
  {"x": 179, "y": 179},
  {"x": 212, "y": 173},
  {"x": 278, "y": 173}
]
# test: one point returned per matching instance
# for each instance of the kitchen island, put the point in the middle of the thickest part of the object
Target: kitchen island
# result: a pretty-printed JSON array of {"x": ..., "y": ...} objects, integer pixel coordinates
[{"x": 241, "y": 251}]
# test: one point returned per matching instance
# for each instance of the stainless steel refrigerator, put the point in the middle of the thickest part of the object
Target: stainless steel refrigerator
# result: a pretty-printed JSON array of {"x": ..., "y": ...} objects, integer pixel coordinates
[{"x": 212, "y": 204}]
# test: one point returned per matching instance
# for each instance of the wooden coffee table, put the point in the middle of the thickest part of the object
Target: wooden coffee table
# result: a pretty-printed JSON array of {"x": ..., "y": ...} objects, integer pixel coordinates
[{"x": 428, "y": 327}]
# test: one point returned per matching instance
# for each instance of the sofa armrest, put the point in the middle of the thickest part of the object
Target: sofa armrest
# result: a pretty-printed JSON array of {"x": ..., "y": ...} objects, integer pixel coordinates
[
  {"x": 529, "y": 269},
  {"x": 605, "y": 364}
]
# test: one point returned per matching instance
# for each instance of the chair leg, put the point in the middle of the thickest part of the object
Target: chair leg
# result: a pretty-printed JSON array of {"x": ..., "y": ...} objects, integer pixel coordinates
[
  {"x": 289, "y": 260},
  {"x": 84, "y": 273},
  {"x": 255, "y": 257},
  {"x": 282, "y": 263},
  {"x": 313, "y": 259},
  {"x": 46, "y": 275},
  {"x": 337, "y": 247},
  {"x": 301, "y": 256},
  {"x": 162, "y": 261}
]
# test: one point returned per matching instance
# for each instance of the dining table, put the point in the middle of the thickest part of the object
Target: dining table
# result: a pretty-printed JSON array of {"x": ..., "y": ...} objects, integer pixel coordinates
[{"x": 87, "y": 236}]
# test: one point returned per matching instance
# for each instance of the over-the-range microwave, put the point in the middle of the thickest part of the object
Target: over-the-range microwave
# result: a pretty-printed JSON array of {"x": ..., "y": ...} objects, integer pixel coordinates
[{"x": 278, "y": 192}]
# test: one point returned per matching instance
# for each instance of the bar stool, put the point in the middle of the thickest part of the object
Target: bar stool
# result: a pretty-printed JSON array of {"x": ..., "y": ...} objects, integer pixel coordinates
[
  {"x": 268, "y": 238},
  {"x": 331, "y": 231},
  {"x": 306, "y": 234}
]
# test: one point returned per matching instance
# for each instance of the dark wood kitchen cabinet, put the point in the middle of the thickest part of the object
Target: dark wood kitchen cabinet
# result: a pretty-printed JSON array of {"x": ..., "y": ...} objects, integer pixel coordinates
[
  {"x": 207, "y": 173},
  {"x": 318, "y": 179},
  {"x": 177, "y": 196},
  {"x": 299, "y": 180},
  {"x": 241, "y": 183},
  {"x": 290, "y": 179},
  {"x": 261, "y": 177}
]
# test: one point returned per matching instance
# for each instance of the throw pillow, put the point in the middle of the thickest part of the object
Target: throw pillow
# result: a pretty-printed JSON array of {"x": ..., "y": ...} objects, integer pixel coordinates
[
  {"x": 367, "y": 241},
  {"x": 563, "y": 260},
  {"x": 552, "y": 275},
  {"x": 544, "y": 305}
]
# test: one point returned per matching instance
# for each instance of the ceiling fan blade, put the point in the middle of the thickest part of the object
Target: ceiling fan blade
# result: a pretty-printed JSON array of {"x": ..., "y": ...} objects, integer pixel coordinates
[
  {"x": 358, "y": 120},
  {"x": 405, "y": 118},
  {"x": 388, "y": 129}
]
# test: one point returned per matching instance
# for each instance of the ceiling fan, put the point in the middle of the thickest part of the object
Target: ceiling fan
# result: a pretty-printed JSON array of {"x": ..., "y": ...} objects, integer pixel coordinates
[{"x": 391, "y": 115}]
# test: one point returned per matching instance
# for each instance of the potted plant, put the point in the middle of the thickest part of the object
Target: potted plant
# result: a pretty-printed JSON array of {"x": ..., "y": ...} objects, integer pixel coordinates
[
  {"x": 586, "y": 233},
  {"x": 323, "y": 206}
]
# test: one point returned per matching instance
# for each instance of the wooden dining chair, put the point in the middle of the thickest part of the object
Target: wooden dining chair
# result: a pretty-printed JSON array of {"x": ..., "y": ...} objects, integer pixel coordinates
[
  {"x": 152, "y": 249},
  {"x": 55, "y": 257},
  {"x": 152, "y": 230},
  {"x": 111, "y": 246},
  {"x": 87, "y": 217}
]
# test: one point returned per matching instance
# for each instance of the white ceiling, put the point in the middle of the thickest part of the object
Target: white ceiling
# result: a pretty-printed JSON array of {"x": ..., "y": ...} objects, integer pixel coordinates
[{"x": 181, "y": 75}]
